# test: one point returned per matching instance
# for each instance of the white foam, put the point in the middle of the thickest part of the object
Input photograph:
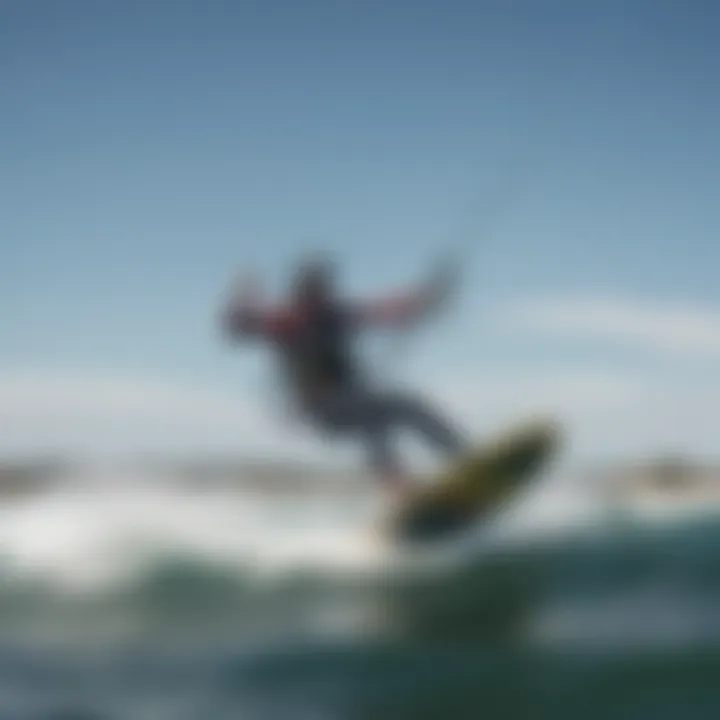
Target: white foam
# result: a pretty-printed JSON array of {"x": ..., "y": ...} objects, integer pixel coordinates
[{"x": 100, "y": 528}]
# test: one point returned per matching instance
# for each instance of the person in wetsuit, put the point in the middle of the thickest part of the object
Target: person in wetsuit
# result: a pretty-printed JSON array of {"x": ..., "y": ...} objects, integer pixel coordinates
[{"x": 313, "y": 334}]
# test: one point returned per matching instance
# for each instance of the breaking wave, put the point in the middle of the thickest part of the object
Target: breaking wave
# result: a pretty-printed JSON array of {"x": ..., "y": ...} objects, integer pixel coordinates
[{"x": 123, "y": 556}]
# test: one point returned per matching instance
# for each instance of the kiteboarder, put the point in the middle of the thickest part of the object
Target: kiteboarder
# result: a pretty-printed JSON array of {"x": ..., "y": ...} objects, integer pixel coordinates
[{"x": 312, "y": 333}]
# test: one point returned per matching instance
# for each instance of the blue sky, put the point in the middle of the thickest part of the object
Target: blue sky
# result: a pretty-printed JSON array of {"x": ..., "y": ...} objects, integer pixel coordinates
[{"x": 152, "y": 149}]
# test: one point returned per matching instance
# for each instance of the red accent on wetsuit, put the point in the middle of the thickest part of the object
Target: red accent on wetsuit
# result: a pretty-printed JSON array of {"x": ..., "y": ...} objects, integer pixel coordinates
[
  {"x": 395, "y": 311},
  {"x": 280, "y": 323}
]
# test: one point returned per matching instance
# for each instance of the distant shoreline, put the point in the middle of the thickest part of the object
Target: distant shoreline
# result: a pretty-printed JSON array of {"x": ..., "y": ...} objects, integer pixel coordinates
[{"x": 27, "y": 476}]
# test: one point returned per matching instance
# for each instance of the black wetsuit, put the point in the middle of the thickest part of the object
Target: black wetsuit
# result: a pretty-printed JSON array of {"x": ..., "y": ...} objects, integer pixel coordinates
[{"x": 315, "y": 349}]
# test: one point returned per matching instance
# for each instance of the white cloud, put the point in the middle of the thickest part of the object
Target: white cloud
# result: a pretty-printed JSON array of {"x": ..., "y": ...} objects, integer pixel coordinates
[
  {"x": 52, "y": 410},
  {"x": 603, "y": 413},
  {"x": 590, "y": 404},
  {"x": 662, "y": 326},
  {"x": 76, "y": 396},
  {"x": 569, "y": 391}
]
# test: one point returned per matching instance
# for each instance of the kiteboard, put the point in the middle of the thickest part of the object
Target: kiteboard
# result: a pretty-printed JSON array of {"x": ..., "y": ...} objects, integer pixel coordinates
[{"x": 475, "y": 484}]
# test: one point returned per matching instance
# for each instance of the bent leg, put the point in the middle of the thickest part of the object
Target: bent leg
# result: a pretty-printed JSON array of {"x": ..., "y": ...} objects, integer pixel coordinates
[
  {"x": 357, "y": 412},
  {"x": 373, "y": 417},
  {"x": 415, "y": 414},
  {"x": 377, "y": 436},
  {"x": 377, "y": 440}
]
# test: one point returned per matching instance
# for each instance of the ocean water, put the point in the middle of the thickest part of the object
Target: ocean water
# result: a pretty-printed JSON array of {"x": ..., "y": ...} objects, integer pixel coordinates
[{"x": 130, "y": 596}]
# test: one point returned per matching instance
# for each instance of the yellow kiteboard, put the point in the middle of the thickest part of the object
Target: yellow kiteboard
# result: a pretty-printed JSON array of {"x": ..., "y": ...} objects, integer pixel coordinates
[{"x": 475, "y": 484}]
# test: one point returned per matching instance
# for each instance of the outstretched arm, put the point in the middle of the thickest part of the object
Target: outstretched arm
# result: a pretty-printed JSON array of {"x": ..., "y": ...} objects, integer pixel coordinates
[
  {"x": 412, "y": 306},
  {"x": 241, "y": 316},
  {"x": 246, "y": 315}
]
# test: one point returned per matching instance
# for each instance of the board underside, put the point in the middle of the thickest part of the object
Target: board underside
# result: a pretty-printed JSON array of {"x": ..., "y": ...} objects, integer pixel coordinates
[{"x": 475, "y": 484}]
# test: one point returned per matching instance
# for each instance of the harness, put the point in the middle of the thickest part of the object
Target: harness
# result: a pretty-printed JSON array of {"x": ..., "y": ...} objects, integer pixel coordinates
[{"x": 317, "y": 353}]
